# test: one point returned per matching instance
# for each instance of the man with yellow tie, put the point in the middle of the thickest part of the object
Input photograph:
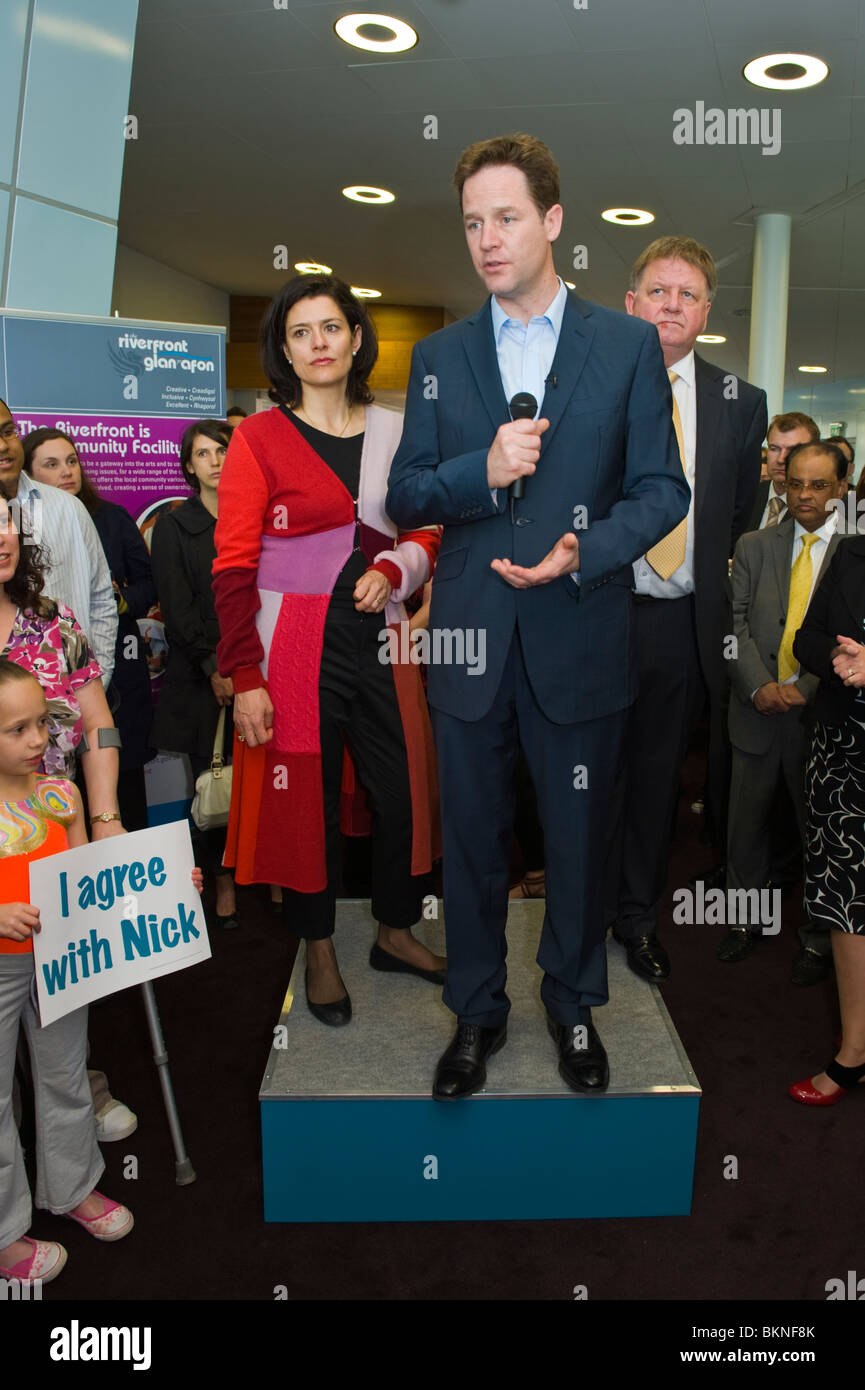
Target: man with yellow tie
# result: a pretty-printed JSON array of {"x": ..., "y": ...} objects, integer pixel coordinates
[
  {"x": 775, "y": 573},
  {"x": 681, "y": 614}
]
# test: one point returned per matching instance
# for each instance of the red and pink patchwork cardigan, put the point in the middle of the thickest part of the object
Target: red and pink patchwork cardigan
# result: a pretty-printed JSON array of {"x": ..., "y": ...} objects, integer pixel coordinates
[{"x": 285, "y": 529}]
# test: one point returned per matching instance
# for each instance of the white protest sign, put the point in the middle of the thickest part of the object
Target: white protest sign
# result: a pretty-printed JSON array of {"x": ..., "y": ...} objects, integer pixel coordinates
[{"x": 115, "y": 913}]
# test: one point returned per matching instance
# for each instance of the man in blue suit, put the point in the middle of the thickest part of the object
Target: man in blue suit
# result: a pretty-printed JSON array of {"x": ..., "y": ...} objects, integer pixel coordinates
[{"x": 546, "y": 578}]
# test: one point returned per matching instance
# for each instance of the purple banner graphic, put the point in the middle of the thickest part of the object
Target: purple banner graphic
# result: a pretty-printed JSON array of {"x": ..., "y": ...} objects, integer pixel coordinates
[{"x": 133, "y": 460}]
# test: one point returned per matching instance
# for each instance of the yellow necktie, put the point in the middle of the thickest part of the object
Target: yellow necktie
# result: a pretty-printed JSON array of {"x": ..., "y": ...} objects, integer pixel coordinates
[
  {"x": 800, "y": 591},
  {"x": 666, "y": 557}
]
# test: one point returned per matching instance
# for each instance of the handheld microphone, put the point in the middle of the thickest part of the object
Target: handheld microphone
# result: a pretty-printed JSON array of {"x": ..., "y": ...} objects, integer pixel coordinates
[{"x": 523, "y": 406}]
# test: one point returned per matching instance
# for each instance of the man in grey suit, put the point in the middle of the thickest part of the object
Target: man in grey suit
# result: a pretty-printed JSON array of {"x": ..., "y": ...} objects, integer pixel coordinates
[{"x": 775, "y": 572}]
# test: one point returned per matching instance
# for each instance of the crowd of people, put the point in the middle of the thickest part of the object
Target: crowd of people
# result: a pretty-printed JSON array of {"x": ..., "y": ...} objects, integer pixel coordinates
[{"x": 658, "y": 578}]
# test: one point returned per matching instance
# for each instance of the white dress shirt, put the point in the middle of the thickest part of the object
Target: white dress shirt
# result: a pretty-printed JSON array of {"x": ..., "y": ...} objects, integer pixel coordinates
[
  {"x": 681, "y": 582},
  {"x": 77, "y": 571},
  {"x": 783, "y": 512}
]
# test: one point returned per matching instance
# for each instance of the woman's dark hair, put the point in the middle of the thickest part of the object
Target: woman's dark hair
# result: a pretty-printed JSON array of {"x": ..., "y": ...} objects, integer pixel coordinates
[
  {"x": 36, "y": 438},
  {"x": 284, "y": 382},
  {"x": 217, "y": 430},
  {"x": 25, "y": 587}
]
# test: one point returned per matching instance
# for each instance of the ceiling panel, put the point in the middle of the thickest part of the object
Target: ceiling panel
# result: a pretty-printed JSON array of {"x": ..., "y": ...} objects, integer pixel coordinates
[{"x": 252, "y": 119}]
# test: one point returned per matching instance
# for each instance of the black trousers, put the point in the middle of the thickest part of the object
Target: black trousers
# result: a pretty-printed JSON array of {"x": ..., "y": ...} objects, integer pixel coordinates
[
  {"x": 358, "y": 707},
  {"x": 659, "y": 727},
  {"x": 573, "y": 768}
]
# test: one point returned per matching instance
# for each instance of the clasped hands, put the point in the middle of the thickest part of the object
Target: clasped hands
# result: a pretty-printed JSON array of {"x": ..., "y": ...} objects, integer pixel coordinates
[
  {"x": 514, "y": 454},
  {"x": 848, "y": 662},
  {"x": 774, "y": 698}
]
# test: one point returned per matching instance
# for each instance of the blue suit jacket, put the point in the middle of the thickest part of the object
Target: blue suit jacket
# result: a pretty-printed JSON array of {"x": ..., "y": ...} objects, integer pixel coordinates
[{"x": 610, "y": 448}]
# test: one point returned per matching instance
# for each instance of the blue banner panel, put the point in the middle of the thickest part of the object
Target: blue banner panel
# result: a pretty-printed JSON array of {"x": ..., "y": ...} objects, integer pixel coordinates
[{"x": 119, "y": 367}]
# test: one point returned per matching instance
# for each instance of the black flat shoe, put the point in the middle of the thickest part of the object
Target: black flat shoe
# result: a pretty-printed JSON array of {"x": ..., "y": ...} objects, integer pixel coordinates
[
  {"x": 229, "y": 922},
  {"x": 383, "y": 960},
  {"x": 810, "y": 967},
  {"x": 462, "y": 1066},
  {"x": 646, "y": 957},
  {"x": 736, "y": 945},
  {"x": 581, "y": 1068},
  {"x": 335, "y": 1015}
]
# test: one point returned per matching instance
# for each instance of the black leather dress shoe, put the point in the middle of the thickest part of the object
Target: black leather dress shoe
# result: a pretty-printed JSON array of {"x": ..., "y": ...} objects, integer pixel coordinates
[
  {"x": 736, "y": 945},
  {"x": 462, "y": 1066},
  {"x": 383, "y": 960},
  {"x": 335, "y": 1015},
  {"x": 810, "y": 967},
  {"x": 581, "y": 1068},
  {"x": 716, "y": 877},
  {"x": 646, "y": 957}
]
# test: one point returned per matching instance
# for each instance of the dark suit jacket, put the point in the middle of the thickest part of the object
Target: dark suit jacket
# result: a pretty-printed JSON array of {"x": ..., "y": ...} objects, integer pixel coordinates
[
  {"x": 182, "y": 554},
  {"x": 610, "y": 448},
  {"x": 756, "y": 513},
  {"x": 129, "y": 692},
  {"x": 730, "y": 434},
  {"x": 761, "y": 590},
  {"x": 837, "y": 609}
]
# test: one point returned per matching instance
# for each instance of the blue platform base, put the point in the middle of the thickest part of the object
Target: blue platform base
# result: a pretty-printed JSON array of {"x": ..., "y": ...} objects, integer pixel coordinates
[{"x": 350, "y": 1133}]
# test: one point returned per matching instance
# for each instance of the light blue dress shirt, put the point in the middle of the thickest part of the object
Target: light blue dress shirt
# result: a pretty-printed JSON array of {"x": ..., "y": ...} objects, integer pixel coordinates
[{"x": 525, "y": 351}]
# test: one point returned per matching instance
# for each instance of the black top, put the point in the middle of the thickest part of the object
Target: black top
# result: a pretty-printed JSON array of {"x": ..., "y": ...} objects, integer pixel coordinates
[
  {"x": 182, "y": 555},
  {"x": 342, "y": 457},
  {"x": 129, "y": 693},
  {"x": 837, "y": 609}
]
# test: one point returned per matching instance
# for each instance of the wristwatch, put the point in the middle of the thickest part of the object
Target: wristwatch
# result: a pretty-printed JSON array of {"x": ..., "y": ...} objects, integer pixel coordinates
[{"x": 106, "y": 817}]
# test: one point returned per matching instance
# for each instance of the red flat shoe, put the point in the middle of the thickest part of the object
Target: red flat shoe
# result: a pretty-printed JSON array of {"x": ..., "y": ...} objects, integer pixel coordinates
[{"x": 845, "y": 1078}]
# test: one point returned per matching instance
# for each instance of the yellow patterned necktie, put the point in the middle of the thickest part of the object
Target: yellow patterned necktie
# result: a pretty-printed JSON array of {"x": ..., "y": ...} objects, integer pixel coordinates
[
  {"x": 800, "y": 591},
  {"x": 666, "y": 557}
]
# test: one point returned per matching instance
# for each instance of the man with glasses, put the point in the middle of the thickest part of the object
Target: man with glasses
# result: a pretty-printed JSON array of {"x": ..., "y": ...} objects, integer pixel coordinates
[
  {"x": 76, "y": 572},
  {"x": 775, "y": 572}
]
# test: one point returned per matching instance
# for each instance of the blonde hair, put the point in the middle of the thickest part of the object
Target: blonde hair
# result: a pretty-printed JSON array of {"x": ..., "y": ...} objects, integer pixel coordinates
[{"x": 677, "y": 248}]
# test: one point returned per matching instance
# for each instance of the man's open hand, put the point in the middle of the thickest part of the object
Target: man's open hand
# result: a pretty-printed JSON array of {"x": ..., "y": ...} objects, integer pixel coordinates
[
  {"x": 564, "y": 558},
  {"x": 514, "y": 451}
]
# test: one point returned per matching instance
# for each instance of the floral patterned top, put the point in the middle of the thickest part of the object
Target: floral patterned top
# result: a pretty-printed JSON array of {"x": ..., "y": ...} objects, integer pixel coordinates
[{"x": 56, "y": 651}]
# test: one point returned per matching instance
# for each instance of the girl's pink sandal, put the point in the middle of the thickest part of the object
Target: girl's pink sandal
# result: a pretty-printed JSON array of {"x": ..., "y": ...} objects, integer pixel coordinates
[{"x": 45, "y": 1263}]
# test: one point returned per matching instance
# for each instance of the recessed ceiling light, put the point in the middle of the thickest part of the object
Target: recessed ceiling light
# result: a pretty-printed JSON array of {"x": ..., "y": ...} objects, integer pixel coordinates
[
  {"x": 628, "y": 217},
  {"x": 365, "y": 193},
  {"x": 570, "y": 284},
  {"x": 312, "y": 268},
  {"x": 785, "y": 72},
  {"x": 365, "y": 294},
  {"x": 711, "y": 338},
  {"x": 379, "y": 33},
  {"x": 813, "y": 369}
]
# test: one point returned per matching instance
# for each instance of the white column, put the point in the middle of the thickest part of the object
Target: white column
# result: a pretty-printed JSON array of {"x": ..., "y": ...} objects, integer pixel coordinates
[{"x": 770, "y": 282}]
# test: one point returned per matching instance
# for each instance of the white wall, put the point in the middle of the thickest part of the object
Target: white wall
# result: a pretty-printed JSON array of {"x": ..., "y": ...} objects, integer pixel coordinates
[{"x": 148, "y": 289}]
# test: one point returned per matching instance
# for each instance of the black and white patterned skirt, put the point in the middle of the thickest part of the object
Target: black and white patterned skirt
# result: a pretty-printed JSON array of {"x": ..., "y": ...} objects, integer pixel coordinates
[{"x": 835, "y": 848}]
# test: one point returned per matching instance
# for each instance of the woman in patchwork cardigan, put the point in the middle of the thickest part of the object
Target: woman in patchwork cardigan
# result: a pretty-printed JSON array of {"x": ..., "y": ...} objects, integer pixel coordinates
[{"x": 309, "y": 581}]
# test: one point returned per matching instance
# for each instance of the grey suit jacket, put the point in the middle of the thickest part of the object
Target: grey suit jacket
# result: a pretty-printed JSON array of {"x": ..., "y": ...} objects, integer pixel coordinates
[{"x": 761, "y": 586}]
